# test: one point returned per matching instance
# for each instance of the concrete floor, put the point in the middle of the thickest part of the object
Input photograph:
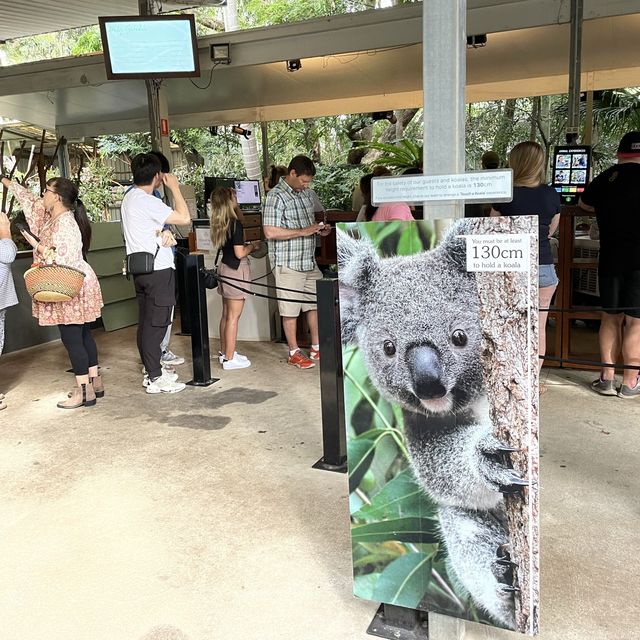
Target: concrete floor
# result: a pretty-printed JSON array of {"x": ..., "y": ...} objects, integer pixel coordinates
[{"x": 198, "y": 516}]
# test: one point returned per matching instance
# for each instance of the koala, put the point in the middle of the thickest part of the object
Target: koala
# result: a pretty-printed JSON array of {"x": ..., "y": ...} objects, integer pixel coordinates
[{"x": 416, "y": 321}]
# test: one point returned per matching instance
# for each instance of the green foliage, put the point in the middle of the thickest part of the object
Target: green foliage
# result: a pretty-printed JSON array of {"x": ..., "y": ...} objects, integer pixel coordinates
[
  {"x": 59, "y": 44},
  {"x": 260, "y": 13},
  {"x": 97, "y": 189},
  {"x": 335, "y": 184},
  {"x": 88, "y": 41},
  {"x": 406, "y": 154},
  {"x": 193, "y": 175},
  {"x": 128, "y": 144}
]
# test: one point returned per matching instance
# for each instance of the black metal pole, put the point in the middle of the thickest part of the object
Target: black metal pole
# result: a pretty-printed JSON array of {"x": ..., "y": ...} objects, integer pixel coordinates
[
  {"x": 334, "y": 440},
  {"x": 181, "y": 279},
  {"x": 197, "y": 302}
]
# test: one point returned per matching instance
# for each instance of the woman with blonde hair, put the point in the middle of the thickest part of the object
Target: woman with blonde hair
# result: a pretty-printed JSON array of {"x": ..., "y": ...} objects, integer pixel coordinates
[
  {"x": 227, "y": 236},
  {"x": 532, "y": 196}
]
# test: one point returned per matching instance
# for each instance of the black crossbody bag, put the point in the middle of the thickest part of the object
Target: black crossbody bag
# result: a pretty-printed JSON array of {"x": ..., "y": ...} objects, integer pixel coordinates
[{"x": 140, "y": 263}]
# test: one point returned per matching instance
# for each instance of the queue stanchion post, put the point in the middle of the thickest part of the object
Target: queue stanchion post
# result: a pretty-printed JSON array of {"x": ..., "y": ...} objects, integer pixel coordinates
[
  {"x": 197, "y": 303},
  {"x": 334, "y": 438},
  {"x": 181, "y": 279}
]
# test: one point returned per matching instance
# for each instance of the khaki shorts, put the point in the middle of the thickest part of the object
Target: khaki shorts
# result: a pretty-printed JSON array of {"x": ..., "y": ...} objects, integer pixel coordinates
[
  {"x": 227, "y": 289},
  {"x": 300, "y": 281}
]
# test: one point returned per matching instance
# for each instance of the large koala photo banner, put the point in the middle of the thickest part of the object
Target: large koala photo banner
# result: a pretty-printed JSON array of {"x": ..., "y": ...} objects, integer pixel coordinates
[{"x": 439, "y": 328}]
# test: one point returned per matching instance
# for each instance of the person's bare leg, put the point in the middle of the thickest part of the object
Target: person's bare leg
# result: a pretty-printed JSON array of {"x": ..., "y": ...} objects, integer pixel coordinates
[
  {"x": 234, "y": 311},
  {"x": 631, "y": 350},
  {"x": 610, "y": 338},
  {"x": 223, "y": 324},
  {"x": 312, "y": 320},
  {"x": 545, "y": 294},
  {"x": 290, "y": 326}
]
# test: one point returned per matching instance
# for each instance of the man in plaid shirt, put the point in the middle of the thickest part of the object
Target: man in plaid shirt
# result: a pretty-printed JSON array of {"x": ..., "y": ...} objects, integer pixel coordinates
[{"x": 290, "y": 226}]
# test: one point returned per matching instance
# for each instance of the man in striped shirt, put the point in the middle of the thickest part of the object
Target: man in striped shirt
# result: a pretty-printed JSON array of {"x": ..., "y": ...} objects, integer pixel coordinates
[{"x": 290, "y": 226}]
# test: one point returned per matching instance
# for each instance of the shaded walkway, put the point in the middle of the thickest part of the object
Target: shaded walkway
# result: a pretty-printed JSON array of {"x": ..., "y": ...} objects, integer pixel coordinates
[{"x": 197, "y": 515}]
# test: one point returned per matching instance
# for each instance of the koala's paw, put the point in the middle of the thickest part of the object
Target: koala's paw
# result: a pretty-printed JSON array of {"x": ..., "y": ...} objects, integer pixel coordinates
[
  {"x": 476, "y": 544},
  {"x": 496, "y": 468}
]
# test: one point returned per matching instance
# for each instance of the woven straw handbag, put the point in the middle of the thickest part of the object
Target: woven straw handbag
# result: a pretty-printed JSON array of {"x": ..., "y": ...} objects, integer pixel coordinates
[{"x": 53, "y": 282}]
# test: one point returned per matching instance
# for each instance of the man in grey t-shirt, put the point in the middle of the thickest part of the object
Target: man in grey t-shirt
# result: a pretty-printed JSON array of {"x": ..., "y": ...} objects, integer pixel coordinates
[{"x": 143, "y": 217}]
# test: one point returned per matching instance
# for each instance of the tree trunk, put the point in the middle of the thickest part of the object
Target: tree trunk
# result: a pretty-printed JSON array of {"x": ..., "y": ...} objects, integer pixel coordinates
[
  {"x": 505, "y": 131},
  {"x": 250, "y": 154},
  {"x": 535, "y": 117},
  {"x": 509, "y": 316},
  {"x": 404, "y": 116}
]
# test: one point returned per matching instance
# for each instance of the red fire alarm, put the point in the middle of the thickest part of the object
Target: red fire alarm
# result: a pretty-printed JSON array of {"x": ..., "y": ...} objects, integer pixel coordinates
[{"x": 164, "y": 126}]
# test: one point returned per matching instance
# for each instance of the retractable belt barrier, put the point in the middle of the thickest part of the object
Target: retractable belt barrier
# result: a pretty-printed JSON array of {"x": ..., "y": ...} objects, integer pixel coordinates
[{"x": 594, "y": 363}]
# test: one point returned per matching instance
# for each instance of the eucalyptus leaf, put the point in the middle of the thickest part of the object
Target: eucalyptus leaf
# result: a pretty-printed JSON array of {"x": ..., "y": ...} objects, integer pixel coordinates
[
  {"x": 360, "y": 452},
  {"x": 364, "y": 585},
  {"x": 420, "y": 530},
  {"x": 407, "y": 243},
  {"x": 400, "y": 498},
  {"x": 405, "y": 581}
]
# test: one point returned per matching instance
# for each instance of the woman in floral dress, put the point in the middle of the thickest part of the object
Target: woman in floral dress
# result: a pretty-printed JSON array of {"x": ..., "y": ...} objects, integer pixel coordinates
[{"x": 59, "y": 219}]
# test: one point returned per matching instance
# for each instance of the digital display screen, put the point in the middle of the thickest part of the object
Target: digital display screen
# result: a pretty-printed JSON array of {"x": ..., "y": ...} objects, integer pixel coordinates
[
  {"x": 571, "y": 165},
  {"x": 149, "y": 46},
  {"x": 247, "y": 191}
]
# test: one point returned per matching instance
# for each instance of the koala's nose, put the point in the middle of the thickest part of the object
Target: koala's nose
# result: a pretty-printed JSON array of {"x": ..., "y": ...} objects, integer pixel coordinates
[{"x": 426, "y": 371}]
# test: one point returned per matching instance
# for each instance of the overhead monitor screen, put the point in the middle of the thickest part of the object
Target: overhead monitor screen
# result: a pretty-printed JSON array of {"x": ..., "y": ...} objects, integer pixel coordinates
[
  {"x": 149, "y": 46},
  {"x": 247, "y": 191},
  {"x": 571, "y": 168}
]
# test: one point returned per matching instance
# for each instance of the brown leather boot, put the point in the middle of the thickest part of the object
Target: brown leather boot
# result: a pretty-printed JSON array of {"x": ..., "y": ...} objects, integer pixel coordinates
[
  {"x": 98, "y": 386},
  {"x": 82, "y": 396}
]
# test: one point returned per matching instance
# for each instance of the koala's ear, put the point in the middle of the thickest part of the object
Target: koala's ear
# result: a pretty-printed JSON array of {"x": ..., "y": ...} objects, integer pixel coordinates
[
  {"x": 454, "y": 246},
  {"x": 358, "y": 264}
]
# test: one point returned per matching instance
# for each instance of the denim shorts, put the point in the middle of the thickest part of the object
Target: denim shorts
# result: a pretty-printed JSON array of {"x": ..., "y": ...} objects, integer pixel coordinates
[{"x": 547, "y": 276}]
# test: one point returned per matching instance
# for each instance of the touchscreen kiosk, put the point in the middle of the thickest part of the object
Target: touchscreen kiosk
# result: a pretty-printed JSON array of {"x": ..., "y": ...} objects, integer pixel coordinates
[{"x": 571, "y": 168}]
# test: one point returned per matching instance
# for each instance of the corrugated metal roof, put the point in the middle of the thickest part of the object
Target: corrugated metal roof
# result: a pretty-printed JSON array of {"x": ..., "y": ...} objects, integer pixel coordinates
[{"x": 20, "y": 18}]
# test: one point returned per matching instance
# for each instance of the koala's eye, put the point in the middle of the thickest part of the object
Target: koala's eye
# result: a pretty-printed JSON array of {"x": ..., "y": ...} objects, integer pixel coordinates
[
  {"x": 389, "y": 348},
  {"x": 459, "y": 338}
]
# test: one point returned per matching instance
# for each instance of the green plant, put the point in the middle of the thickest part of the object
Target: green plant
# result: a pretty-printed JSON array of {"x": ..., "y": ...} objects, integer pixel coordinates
[
  {"x": 96, "y": 189},
  {"x": 193, "y": 175},
  {"x": 406, "y": 154},
  {"x": 335, "y": 184}
]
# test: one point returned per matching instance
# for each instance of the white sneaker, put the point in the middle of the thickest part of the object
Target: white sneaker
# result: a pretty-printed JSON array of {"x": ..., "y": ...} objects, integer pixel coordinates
[
  {"x": 164, "y": 384},
  {"x": 237, "y": 355},
  {"x": 171, "y": 358},
  {"x": 236, "y": 363},
  {"x": 165, "y": 367},
  {"x": 171, "y": 375}
]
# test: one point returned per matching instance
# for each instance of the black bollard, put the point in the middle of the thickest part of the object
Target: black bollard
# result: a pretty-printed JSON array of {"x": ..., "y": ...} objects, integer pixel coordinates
[
  {"x": 181, "y": 280},
  {"x": 334, "y": 439},
  {"x": 197, "y": 303}
]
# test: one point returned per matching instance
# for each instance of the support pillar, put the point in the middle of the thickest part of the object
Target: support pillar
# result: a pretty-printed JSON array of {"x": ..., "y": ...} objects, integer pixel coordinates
[
  {"x": 265, "y": 149},
  {"x": 575, "y": 66},
  {"x": 157, "y": 101},
  {"x": 444, "y": 49}
]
